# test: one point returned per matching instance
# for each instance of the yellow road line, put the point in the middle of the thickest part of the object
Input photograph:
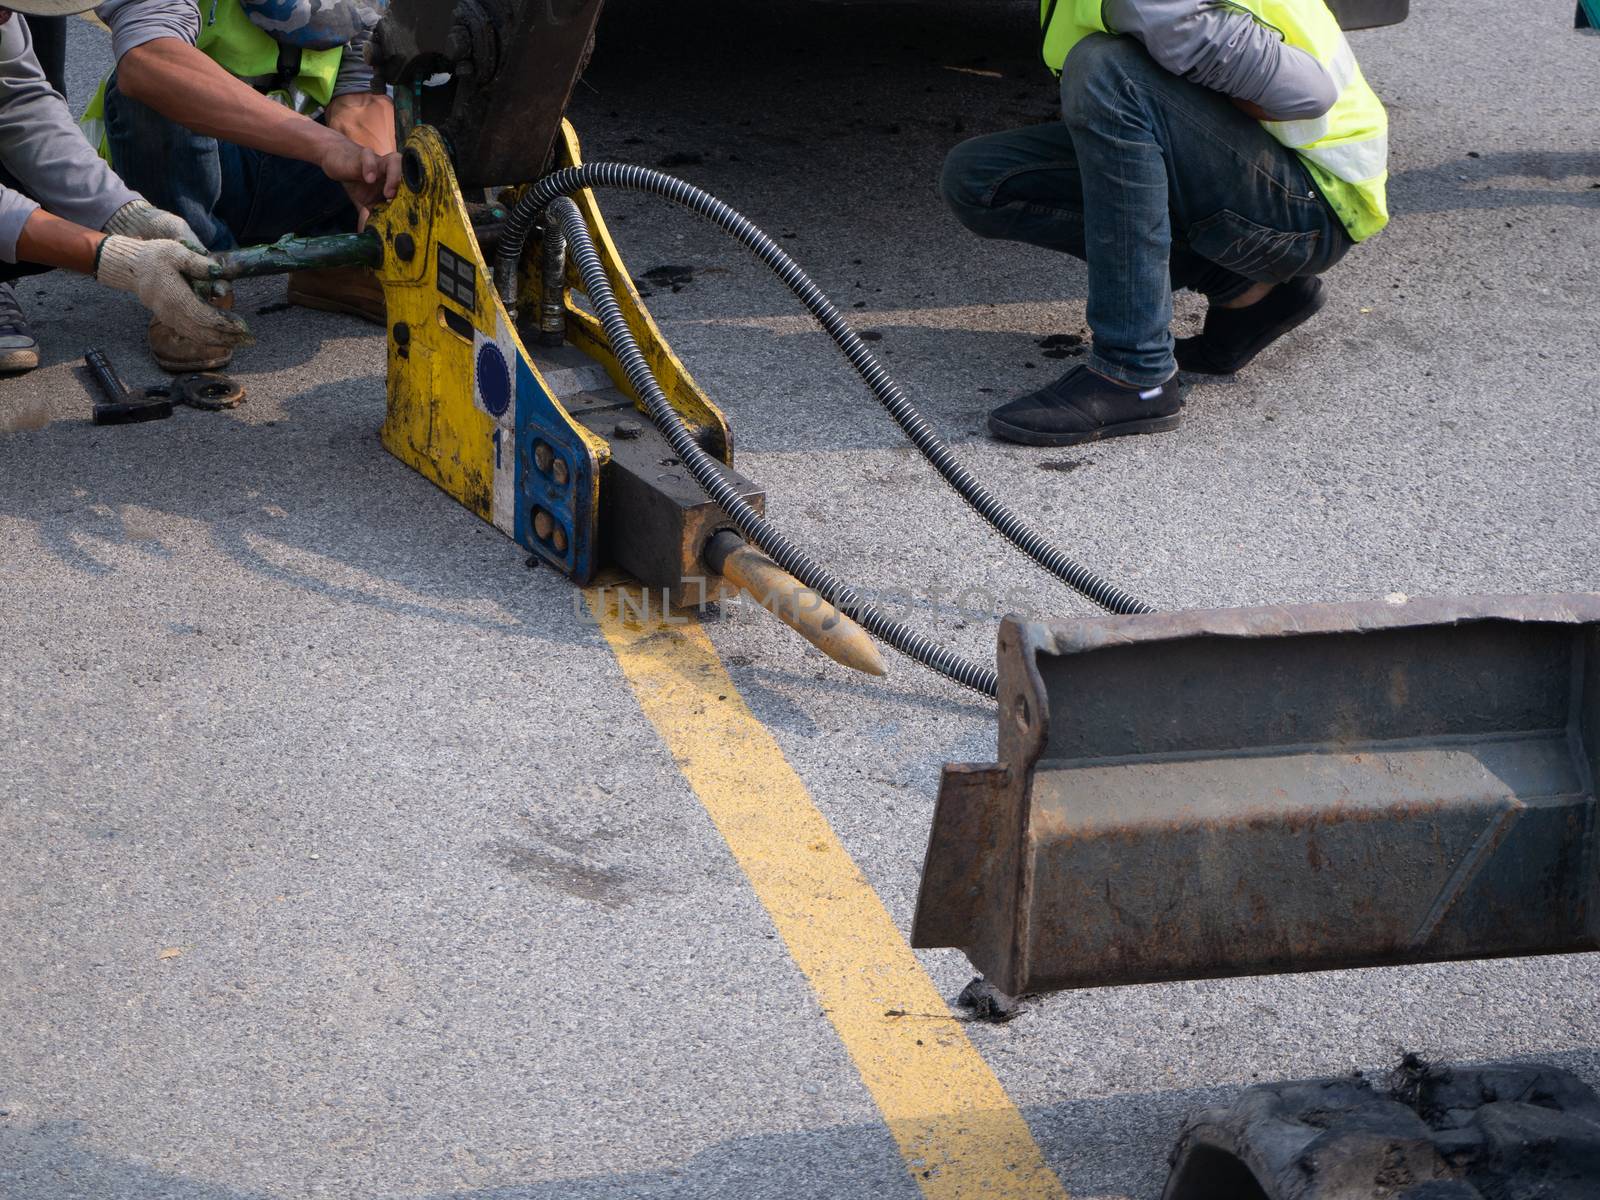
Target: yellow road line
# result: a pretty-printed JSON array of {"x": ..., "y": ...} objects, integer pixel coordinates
[{"x": 959, "y": 1132}]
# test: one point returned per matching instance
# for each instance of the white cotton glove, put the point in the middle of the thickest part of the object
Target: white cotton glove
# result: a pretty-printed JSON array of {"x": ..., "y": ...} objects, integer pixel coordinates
[
  {"x": 143, "y": 220},
  {"x": 162, "y": 274}
]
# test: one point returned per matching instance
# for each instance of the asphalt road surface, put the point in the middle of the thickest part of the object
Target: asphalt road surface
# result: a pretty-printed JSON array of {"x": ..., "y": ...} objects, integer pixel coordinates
[{"x": 338, "y": 856}]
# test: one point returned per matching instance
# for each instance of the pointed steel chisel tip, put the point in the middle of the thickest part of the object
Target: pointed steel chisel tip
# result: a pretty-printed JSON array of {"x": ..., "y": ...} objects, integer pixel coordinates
[{"x": 801, "y": 608}]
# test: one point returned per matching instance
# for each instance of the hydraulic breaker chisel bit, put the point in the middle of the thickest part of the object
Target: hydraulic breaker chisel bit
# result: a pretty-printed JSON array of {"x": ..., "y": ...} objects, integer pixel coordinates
[{"x": 797, "y": 606}]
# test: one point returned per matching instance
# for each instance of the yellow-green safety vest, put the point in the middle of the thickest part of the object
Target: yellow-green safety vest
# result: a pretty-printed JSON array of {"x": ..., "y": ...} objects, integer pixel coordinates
[
  {"x": 1346, "y": 150},
  {"x": 243, "y": 49}
]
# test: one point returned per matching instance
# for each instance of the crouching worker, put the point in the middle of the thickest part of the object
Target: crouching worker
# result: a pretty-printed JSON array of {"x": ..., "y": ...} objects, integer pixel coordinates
[
  {"x": 251, "y": 119},
  {"x": 1234, "y": 149},
  {"x": 61, "y": 206}
]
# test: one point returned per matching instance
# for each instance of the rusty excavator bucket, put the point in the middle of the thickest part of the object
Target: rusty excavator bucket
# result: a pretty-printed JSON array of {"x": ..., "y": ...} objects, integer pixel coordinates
[{"x": 1202, "y": 794}]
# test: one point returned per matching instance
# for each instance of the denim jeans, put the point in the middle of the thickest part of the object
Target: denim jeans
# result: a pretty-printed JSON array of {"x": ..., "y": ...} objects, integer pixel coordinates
[
  {"x": 1156, "y": 183},
  {"x": 231, "y": 195}
]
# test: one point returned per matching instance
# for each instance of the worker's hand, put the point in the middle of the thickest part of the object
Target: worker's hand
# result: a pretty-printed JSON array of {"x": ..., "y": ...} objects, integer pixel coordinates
[
  {"x": 1250, "y": 108},
  {"x": 368, "y": 177},
  {"x": 161, "y": 274},
  {"x": 366, "y": 118},
  {"x": 143, "y": 220}
]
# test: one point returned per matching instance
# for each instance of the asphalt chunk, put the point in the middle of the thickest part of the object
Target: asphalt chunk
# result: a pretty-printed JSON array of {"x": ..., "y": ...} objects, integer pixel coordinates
[{"x": 987, "y": 1002}]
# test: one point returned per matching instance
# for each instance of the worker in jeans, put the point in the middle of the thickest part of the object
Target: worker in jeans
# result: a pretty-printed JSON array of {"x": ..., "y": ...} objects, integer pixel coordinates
[
  {"x": 1234, "y": 149},
  {"x": 251, "y": 119},
  {"x": 61, "y": 206}
]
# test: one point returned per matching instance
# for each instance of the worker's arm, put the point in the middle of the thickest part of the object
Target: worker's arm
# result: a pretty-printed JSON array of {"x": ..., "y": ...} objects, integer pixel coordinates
[
  {"x": 367, "y": 120},
  {"x": 161, "y": 273},
  {"x": 44, "y": 150},
  {"x": 1229, "y": 51},
  {"x": 47, "y": 154},
  {"x": 159, "y": 65},
  {"x": 360, "y": 108},
  {"x": 356, "y": 76},
  {"x": 185, "y": 86},
  {"x": 54, "y": 242}
]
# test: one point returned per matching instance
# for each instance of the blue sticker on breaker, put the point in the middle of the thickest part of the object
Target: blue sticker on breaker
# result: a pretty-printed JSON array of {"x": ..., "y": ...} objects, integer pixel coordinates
[{"x": 494, "y": 380}]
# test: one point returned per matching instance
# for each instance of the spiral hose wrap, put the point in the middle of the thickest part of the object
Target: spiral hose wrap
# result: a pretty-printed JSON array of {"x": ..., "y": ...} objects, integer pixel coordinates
[{"x": 551, "y": 192}]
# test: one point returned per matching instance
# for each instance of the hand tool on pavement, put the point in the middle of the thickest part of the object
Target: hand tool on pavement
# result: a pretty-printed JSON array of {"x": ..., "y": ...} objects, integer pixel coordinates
[
  {"x": 208, "y": 391},
  {"x": 116, "y": 405}
]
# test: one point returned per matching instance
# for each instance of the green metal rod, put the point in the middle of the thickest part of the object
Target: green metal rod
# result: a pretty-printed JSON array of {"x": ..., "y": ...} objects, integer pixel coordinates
[{"x": 300, "y": 254}]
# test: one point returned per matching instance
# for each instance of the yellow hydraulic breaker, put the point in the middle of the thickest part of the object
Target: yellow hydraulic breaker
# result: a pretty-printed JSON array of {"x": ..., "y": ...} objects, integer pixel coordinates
[
  {"x": 506, "y": 393},
  {"x": 534, "y": 442},
  {"x": 536, "y": 428}
]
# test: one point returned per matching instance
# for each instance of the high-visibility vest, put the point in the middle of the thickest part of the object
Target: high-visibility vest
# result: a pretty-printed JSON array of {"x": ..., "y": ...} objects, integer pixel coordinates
[
  {"x": 302, "y": 79},
  {"x": 1346, "y": 150}
]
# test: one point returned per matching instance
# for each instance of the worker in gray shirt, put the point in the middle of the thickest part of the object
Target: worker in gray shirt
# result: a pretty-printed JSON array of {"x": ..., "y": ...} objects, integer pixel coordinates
[
  {"x": 1228, "y": 146},
  {"x": 251, "y": 119},
  {"x": 61, "y": 206}
]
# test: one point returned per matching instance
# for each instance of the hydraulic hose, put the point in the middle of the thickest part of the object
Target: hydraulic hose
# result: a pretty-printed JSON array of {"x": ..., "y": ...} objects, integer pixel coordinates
[
  {"x": 709, "y": 474},
  {"x": 525, "y": 214}
]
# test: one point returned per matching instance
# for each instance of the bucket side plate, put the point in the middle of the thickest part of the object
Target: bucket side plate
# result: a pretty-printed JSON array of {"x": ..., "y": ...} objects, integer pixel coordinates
[{"x": 1195, "y": 795}]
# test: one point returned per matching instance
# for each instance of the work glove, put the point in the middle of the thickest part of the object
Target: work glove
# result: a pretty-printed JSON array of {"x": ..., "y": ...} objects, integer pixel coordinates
[
  {"x": 143, "y": 220},
  {"x": 162, "y": 275}
]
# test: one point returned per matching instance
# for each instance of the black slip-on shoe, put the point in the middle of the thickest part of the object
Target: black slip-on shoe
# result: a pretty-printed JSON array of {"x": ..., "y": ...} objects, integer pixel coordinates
[
  {"x": 1084, "y": 407},
  {"x": 1234, "y": 336}
]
